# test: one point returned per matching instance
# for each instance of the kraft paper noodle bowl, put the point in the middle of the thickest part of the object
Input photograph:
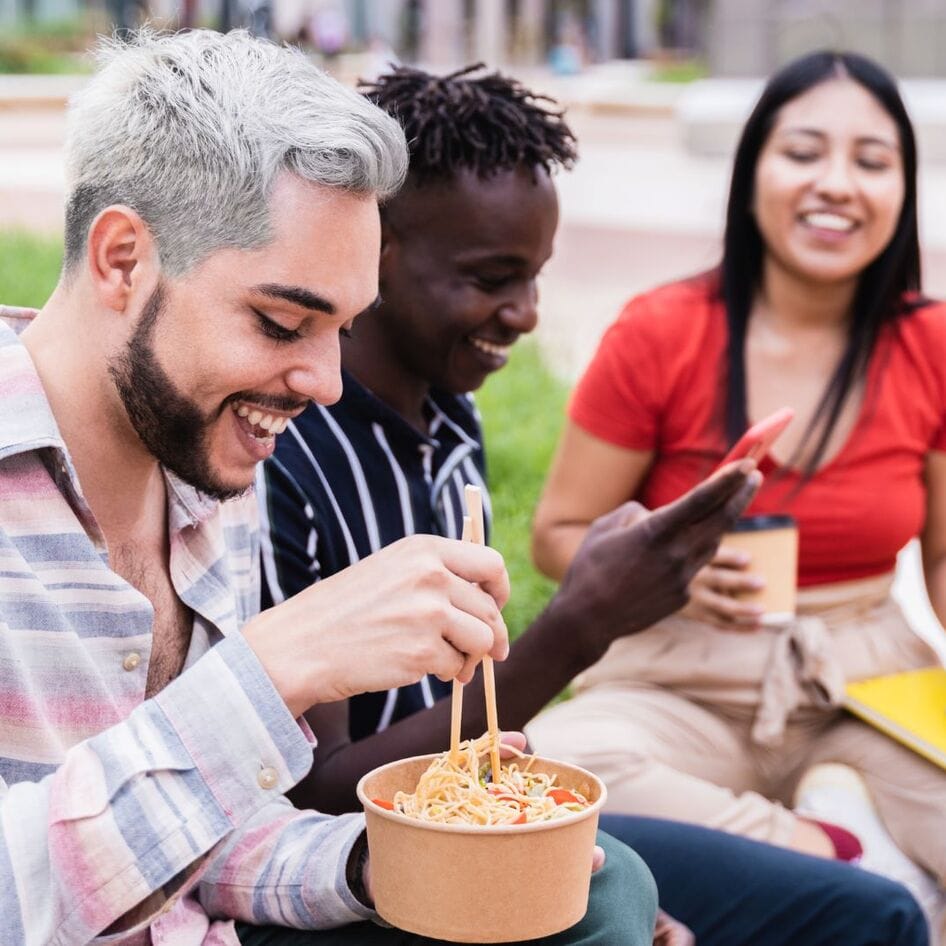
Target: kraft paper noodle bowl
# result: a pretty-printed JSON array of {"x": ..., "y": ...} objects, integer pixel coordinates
[{"x": 470, "y": 884}]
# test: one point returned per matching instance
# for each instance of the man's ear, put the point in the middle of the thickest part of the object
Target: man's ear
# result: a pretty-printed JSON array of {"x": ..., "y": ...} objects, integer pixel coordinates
[
  {"x": 122, "y": 256},
  {"x": 388, "y": 247}
]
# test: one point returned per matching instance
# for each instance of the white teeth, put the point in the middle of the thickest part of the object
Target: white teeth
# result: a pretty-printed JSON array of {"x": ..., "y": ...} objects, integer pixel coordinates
[
  {"x": 489, "y": 347},
  {"x": 269, "y": 422},
  {"x": 829, "y": 221}
]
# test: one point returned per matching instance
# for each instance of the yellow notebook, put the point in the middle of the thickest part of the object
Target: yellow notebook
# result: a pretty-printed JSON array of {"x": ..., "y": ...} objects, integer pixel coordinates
[{"x": 910, "y": 707}]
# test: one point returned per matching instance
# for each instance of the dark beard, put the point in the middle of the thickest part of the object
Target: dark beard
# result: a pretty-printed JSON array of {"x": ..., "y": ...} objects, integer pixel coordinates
[{"x": 170, "y": 425}]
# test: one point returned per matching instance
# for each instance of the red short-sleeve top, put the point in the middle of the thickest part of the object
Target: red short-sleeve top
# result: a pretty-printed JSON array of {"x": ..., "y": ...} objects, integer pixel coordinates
[{"x": 657, "y": 383}]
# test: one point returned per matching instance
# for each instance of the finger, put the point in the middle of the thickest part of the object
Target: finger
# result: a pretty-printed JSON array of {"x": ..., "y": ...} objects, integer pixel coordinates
[
  {"x": 729, "y": 557},
  {"x": 511, "y": 740},
  {"x": 727, "y": 581},
  {"x": 706, "y": 498},
  {"x": 728, "y": 610},
  {"x": 466, "y": 672},
  {"x": 478, "y": 564},
  {"x": 598, "y": 858},
  {"x": 472, "y": 637},
  {"x": 472, "y": 600},
  {"x": 626, "y": 515},
  {"x": 737, "y": 505}
]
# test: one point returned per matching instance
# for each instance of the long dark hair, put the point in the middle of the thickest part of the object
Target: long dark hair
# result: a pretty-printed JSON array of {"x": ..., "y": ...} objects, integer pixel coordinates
[{"x": 884, "y": 286}]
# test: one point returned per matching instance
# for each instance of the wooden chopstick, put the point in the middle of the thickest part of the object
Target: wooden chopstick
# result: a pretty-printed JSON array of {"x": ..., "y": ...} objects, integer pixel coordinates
[
  {"x": 474, "y": 508},
  {"x": 456, "y": 702}
]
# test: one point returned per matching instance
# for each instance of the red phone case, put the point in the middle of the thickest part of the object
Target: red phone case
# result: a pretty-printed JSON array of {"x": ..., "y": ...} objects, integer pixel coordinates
[{"x": 755, "y": 442}]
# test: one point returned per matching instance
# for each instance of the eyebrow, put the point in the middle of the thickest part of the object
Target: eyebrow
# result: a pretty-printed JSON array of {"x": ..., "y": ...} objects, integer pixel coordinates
[
  {"x": 863, "y": 140},
  {"x": 296, "y": 295}
]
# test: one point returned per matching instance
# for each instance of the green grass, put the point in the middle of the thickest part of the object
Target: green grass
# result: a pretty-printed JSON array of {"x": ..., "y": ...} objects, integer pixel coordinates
[
  {"x": 523, "y": 409},
  {"x": 29, "y": 268},
  {"x": 679, "y": 71},
  {"x": 54, "y": 47}
]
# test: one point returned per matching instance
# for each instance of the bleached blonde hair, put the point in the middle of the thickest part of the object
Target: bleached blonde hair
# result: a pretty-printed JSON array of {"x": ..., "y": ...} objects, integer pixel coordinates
[{"x": 191, "y": 129}]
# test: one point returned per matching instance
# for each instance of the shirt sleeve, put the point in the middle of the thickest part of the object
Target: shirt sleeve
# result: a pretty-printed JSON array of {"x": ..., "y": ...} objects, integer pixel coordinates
[
  {"x": 135, "y": 815},
  {"x": 292, "y": 563},
  {"x": 617, "y": 398}
]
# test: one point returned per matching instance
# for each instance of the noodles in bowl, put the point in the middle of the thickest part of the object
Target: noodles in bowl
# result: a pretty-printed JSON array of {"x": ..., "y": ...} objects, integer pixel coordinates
[{"x": 464, "y": 790}]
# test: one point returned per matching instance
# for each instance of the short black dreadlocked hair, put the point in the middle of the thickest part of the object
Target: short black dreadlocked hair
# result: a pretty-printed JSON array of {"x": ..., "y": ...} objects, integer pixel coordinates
[{"x": 485, "y": 124}]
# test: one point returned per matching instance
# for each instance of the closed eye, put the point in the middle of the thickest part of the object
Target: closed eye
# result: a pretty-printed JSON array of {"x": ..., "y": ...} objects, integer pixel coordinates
[{"x": 275, "y": 331}]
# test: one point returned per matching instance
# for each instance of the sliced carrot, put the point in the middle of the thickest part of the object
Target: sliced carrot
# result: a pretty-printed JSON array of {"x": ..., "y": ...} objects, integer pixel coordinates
[
  {"x": 562, "y": 796},
  {"x": 521, "y": 819},
  {"x": 381, "y": 803}
]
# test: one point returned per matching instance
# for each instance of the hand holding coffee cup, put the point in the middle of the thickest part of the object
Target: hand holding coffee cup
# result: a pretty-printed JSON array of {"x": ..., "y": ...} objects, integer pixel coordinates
[
  {"x": 750, "y": 583},
  {"x": 719, "y": 590}
]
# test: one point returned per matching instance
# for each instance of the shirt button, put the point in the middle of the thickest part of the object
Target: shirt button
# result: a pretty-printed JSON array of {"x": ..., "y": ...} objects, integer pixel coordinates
[
  {"x": 267, "y": 777},
  {"x": 131, "y": 661}
]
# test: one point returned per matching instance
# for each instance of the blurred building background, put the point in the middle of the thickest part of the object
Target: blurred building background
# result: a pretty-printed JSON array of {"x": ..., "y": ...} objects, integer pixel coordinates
[{"x": 728, "y": 37}]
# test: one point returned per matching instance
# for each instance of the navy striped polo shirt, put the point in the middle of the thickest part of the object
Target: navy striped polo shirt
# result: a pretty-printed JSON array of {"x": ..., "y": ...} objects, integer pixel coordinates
[{"x": 349, "y": 479}]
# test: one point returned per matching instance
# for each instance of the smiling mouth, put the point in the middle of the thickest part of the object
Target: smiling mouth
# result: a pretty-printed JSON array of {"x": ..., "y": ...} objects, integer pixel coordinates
[
  {"x": 259, "y": 424},
  {"x": 490, "y": 348},
  {"x": 824, "y": 220}
]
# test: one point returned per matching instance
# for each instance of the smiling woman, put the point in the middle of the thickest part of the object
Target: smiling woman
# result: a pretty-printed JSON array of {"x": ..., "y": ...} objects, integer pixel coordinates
[{"x": 815, "y": 305}]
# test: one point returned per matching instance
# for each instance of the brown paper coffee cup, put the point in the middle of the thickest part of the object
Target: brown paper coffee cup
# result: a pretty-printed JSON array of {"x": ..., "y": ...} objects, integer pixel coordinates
[
  {"x": 771, "y": 542},
  {"x": 471, "y": 884}
]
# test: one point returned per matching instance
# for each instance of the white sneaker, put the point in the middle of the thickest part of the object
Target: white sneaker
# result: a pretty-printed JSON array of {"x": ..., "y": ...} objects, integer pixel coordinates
[{"x": 837, "y": 794}]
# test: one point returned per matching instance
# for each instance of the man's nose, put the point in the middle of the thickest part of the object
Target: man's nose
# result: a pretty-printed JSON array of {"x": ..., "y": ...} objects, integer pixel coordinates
[
  {"x": 521, "y": 312},
  {"x": 316, "y": 371}
]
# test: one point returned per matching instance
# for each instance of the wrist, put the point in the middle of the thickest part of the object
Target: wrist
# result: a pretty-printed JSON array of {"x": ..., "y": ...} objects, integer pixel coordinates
[
  {"x": 358, "y": 871},
  {"x": 269, "y": 637},
  {"x": 571, "y": 634}
]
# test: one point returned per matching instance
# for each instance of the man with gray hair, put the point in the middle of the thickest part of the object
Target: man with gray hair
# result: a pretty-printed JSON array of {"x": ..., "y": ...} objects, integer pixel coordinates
[{"x": 222, "y": 232}]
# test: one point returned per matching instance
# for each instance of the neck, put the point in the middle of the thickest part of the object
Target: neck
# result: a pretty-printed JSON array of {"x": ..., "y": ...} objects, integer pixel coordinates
[
  {"x": 371, "y": 358},
  {"x": 794, "y": 303},
  {"x": 121, "y": 481}
]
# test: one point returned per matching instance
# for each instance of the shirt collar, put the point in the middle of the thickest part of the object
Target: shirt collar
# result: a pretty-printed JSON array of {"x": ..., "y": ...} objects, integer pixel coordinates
[
  {"x": 26, "y": 422},
  {"x": 449, "y": 412}
]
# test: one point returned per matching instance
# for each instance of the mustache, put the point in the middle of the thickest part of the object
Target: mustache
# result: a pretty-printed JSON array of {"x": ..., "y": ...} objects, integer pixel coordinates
[{"x": 276, "y": 402}]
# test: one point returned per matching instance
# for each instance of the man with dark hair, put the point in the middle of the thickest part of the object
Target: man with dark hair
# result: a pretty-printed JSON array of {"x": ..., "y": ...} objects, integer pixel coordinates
[{"x": 462, "y": 245}]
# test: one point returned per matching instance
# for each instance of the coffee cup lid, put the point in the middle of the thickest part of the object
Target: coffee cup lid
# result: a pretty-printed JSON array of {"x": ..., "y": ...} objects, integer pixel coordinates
[{"x": 760, "y": 523}]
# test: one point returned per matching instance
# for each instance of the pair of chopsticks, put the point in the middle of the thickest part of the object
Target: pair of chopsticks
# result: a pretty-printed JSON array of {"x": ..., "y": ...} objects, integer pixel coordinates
[{"x": 475, "y": 531}]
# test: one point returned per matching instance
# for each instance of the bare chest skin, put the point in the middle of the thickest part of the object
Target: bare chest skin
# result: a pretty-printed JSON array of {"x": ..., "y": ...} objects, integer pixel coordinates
[
  {"x": 793, "y": 369},
  {"x": 173, "y": 621}
]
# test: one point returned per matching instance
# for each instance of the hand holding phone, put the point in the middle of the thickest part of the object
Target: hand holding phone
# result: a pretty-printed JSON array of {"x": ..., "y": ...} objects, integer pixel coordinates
[{"x": 755, "y": 442}]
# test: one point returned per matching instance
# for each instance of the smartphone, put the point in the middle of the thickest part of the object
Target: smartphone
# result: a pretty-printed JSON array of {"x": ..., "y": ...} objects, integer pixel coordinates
[{"x": 755, "y": 442}]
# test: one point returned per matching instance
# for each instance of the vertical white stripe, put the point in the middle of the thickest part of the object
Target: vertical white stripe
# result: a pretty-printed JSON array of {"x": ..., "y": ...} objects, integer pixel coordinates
[
  {"x": 266, "y": 543},
  {"x": 450, "y": 516},
  {"x": 448, "y": 466},
  {"x": 361, "y": 484},
  {"x": 403, "y": 492},
  {"x": 428, "y": 694},
  {"x": 388, "y": 712},
  {"x": 349, "y": 542}
]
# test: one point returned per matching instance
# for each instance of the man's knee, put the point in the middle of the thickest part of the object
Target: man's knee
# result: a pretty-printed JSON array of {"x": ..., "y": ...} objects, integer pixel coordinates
[
  {"x": 887, "y": 905},
  {"x": 623, "y": 898}
]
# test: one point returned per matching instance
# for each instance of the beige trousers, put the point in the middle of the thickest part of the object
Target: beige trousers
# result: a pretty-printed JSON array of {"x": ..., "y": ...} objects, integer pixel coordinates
[{"x": 687, "y": 722}]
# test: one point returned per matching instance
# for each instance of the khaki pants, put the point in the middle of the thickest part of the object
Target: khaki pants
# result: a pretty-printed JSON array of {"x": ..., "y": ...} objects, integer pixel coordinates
[{"x": 687, "y": 722}]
